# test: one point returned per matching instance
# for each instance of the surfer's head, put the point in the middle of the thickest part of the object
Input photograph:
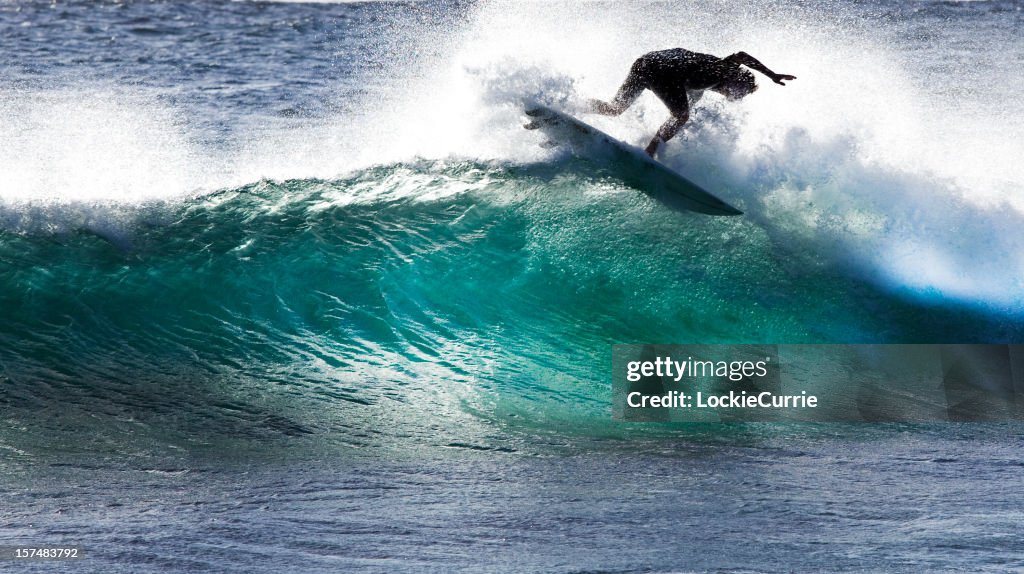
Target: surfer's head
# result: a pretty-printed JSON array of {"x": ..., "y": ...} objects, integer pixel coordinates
[{"x": 736, "y": 84}]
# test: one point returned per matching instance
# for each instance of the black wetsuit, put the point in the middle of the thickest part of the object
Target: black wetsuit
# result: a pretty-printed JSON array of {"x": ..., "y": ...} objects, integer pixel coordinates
[{"x": 670, "y": 74}]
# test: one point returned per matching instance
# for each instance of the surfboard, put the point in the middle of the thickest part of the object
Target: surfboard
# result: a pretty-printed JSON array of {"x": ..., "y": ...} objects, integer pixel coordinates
[{"x": 635, "y": 167}]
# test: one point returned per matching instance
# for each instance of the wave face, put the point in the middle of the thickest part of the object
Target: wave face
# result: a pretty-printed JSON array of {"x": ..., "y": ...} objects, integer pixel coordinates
[
  {"x": 325, "y": 220},
  {"x": 349, "y": 311}
]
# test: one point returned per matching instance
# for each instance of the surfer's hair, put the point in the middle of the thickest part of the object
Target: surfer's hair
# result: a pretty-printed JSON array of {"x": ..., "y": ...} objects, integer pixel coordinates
[{"x": 738, "y": 82}]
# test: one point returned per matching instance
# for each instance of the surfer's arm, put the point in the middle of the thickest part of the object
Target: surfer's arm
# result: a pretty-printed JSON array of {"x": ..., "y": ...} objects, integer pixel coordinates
[
  {"x": 667, "y": 131},
  {"x": 751, "y": 62}
]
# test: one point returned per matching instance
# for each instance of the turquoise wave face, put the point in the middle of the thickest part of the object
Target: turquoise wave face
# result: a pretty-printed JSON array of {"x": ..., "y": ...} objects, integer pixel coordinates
[{"x": 350, "y": 313}]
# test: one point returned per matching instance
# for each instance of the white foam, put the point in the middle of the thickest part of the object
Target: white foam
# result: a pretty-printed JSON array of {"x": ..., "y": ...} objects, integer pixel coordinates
[{"x": 93, "y": 144}]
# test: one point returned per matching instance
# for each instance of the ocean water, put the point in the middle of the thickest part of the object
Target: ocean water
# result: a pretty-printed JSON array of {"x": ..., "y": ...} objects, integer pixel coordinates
[{"x": 287, "y": 288}]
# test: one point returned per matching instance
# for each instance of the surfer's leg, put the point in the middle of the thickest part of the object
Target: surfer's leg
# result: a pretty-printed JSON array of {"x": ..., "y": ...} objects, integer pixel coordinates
[
  {"x": 635, "y": 84},
  {"x": 667, "y": 131},
  {"x": 671, "y": 127}
]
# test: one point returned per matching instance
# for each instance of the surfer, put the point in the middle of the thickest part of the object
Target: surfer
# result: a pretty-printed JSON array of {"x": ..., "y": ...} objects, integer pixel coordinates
[{"x": 679, "y": 77}]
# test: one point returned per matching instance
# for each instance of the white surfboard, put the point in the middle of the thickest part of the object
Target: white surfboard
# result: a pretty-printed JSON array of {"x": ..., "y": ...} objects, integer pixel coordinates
[{"x": 635, "y": 167}]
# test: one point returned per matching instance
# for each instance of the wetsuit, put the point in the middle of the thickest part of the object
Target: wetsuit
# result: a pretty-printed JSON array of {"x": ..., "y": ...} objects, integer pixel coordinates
[{"x": 670, "y": 74}]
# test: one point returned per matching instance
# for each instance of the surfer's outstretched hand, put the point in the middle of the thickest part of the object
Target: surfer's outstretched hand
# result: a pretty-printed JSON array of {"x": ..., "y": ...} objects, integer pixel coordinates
[{"x": 777, "y": 78}]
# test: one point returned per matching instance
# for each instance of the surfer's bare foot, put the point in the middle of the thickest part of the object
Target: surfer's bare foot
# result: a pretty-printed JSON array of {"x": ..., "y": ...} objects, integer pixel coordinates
[{"x": 604, "y": 108}]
